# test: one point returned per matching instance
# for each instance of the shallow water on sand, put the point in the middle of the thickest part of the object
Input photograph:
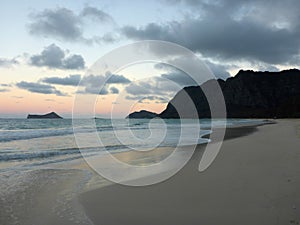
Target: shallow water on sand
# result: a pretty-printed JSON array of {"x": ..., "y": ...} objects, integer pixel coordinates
[{"x": 45, "y": 196}]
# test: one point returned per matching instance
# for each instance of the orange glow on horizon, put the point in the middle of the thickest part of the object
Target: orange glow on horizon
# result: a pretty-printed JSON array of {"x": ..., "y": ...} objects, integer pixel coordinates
[{"x": 20, "y": 101}]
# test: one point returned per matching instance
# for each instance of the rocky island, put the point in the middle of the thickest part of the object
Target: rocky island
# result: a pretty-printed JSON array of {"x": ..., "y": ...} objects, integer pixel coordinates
[
  {"x": 143, "y": 114},
  {"x": 51, "y": 115}
]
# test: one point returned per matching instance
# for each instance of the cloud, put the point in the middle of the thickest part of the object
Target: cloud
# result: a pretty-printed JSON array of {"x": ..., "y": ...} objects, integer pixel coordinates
[
  {"x": 54, "y": 57},
  {"x": 108, "y": 78},
  {"x": 171, "y": 80},
  {"x": 39, "y": 88},
  {"x": 114, "y": 90},
  {"x": 107, "y": 38},
  {"x": 161, "y": 88},
  {"x": 183, "y": 79},
  {"x": 266, "y": 67},
  {"x": 92, "y": 83},
  {"x": 60, "y": 22},
  {"x": 180, "y": 78},
  {"x": 220, "y": 71},
  {"x": 139, "y": 88},
  {"x": 5, "y": 85},
  {"x": 66, "y": 25},
  {"x": 232, "y": 30},
  {"x": 97, "y": 14},
  {"x": 286, "y": 11},
  {"x": 8, "y": 62},
  {"x": 95, "y": 90},
  {"x": 116, "y": 79},
  {"x": 73, "y": 62},
  {"x": 220, "y": 39},
  {"x": 71, "y": 80}
]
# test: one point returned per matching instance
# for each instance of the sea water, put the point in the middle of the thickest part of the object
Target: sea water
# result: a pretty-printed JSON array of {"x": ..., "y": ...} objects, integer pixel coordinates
[
  {"x": 39, "y": 159},
  {"x": 30, "y": 142}
]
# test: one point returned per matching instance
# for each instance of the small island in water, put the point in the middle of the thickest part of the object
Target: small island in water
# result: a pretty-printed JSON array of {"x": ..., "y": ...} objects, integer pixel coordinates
[
  {"x": 143, "y": 114},
  {"x": 51, "y": 115}
]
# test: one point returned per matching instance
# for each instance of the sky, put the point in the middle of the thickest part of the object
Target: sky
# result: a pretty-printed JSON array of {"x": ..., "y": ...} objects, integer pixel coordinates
[{"x": 47, "y": 48}]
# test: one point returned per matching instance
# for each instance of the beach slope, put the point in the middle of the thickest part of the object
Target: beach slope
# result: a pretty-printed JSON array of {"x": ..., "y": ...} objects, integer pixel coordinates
[{"x": 255, "y": 179}]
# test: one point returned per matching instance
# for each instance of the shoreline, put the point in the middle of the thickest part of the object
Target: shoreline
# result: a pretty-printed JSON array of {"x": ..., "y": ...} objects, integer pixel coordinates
[
  {"x": 160, "y": 153},
  {"x": 50, "y": 196},
  {"x": 238, "y": 187}
]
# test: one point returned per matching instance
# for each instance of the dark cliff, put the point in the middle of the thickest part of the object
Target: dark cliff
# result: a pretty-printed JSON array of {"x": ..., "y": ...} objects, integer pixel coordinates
[{"x": 247, "y": 95}]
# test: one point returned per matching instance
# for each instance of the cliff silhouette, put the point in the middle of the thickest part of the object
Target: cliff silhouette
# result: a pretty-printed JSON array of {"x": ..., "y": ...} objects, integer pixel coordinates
[{"x": 249, "y": 94}]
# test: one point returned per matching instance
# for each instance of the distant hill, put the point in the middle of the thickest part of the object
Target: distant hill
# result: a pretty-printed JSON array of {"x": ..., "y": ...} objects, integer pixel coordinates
[
  {"x": 51, "y": 115},
  {"x": 247, "y": 95},
  {"x": 143, "y": 114}
]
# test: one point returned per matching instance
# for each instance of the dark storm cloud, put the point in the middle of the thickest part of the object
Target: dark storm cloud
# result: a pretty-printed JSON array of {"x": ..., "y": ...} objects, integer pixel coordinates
[
  {"x": 39, "y": 88},
  {"x": 64, "y": 24},
  {"x": 54, "y": 57},
  {"x": 230, "y": 40},
  {"x": 272, "y": 12},
  {"x": 233, "y": 30},
  {"x": 71, "y": 80}
]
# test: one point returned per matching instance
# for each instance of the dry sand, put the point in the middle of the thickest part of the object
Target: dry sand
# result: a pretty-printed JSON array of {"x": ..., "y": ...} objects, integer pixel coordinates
[{"x": 254, "y": 180}]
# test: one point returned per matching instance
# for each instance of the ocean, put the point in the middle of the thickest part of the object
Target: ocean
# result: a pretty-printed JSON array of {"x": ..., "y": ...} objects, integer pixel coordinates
[
  {"x": 40, "y": 159},
  {"x": 30, "y": 142}
]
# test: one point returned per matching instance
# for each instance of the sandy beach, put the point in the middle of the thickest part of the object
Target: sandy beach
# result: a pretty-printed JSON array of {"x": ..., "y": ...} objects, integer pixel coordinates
[
  {"x": 254, "y": 180},
  {"x": 164, "y": 112}
]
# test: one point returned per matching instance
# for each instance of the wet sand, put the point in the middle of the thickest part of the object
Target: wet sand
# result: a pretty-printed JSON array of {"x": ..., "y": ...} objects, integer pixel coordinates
[{"x": 255, "y": 179}]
